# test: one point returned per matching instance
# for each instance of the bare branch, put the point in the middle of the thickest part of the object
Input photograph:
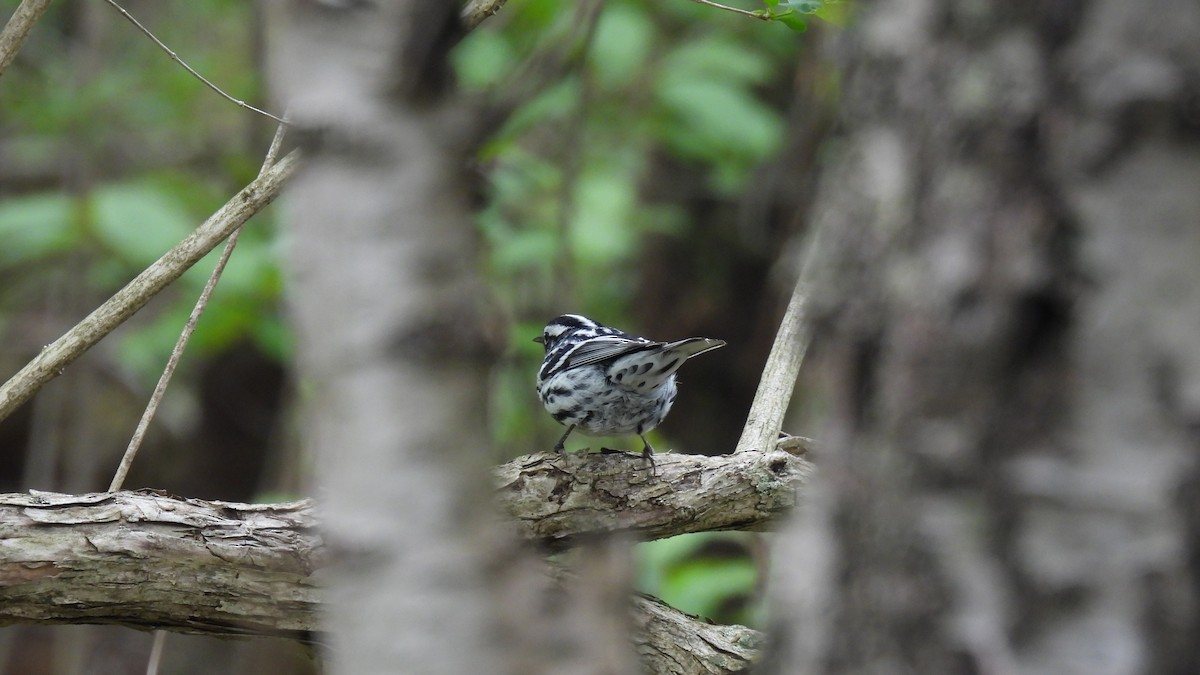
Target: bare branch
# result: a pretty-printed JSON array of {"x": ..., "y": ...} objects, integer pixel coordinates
[
  {"x": 673, "y": 643},
  {"x": 185, "y": 335},
  {"x": 188, "y": 68},
  {"x": 150, "y": 561},
  {"x": 160, "y": 389},
  {"x": 17, "y": 29},
  {"x": 476, "y": 11},
  {"x": 774, "y": 393},
  {"x": 117, "y": 309},
  {"x": 147, "y": 560},
  {"x": 779, "y": 376},
  {"x": 735, "y": 10},
  {"x": 558, "y": 498}
]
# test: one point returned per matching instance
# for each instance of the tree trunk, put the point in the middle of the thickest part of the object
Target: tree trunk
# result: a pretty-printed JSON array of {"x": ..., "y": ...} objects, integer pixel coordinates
[
  {"x": 1009, "y": 322},
  {"x": 392, "y": 351}
]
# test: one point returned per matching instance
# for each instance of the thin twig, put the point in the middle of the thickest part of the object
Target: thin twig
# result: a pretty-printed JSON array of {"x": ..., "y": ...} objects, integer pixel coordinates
[
  {"x": 190, "y": 327},
  {"x": 276, "y": 144},
  {"x": 17, "y": 29},
  {"x": 475, "y": 11},
  {"x": 51, "y": 361},
  {"x": 735, "y": 10},
  {"x": 156, "y": 652},
  {"x": 155, "y": 398},
  {"x": 783, "y": 364},
  {"x": 180, "y": 61}
]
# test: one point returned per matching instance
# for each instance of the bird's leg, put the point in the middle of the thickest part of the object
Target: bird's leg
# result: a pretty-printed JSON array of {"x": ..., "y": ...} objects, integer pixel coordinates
[
  {"x": 558, "y": 447},
  {"x": 648, "y": 454}
]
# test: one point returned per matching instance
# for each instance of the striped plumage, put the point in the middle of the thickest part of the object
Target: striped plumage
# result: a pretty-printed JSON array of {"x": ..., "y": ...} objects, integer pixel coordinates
[{"x": 606, "y": 382}]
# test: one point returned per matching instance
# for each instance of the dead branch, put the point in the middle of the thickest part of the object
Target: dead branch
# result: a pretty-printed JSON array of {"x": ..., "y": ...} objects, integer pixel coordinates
[
  {"x": 670, "y": 642},
  {"x": 558, "y": 498},
  {"x": 116, "y": 310},
  {"x": 148, "y": 560},
  {"x": 17, "y": 29}
]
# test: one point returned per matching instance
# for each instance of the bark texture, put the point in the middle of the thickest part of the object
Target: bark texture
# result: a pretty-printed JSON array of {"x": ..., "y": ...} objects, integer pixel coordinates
[
  {"x": 1009, "y": 308},
  {"x": 391, "y": 343},
  {"x": 150, "y": 561},
  {"x": 17, "y": 29},
  {"x": 556, "y": 500},
  {"x": 673, "y": 645}
]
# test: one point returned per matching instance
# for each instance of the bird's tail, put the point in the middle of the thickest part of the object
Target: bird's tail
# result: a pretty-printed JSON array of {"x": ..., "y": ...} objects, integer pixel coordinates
[{"x": 690, "y": 347}]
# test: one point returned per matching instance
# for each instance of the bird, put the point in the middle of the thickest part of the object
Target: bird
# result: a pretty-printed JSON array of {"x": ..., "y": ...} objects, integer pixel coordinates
[{"x": 606, "y": 382}]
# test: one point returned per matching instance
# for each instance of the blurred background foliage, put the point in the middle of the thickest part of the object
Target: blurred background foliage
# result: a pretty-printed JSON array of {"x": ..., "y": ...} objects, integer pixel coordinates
[
  {"x": 646, "y": 166},
  {"x": 629, "y": 116}
]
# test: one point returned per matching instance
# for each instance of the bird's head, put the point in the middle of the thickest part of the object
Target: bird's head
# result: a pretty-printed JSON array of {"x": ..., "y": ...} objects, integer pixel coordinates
[{"x": 562, "y": 326}]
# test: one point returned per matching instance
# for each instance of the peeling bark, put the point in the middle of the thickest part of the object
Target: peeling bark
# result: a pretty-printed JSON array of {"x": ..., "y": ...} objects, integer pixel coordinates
[
  {"x": 555, "y": 499},
  {"x": 149, "y": 560},
  {"x": 670, "y": 642}
]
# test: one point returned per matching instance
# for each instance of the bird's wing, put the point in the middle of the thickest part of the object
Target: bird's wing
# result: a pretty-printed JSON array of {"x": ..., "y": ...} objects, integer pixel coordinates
[
  {"x": 603, "y": 348},
  {"x": 645, "y": 371}
]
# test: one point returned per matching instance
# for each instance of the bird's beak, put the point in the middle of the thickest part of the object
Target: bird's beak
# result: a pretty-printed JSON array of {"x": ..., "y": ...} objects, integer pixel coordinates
[{"x": 540, "y": 340}]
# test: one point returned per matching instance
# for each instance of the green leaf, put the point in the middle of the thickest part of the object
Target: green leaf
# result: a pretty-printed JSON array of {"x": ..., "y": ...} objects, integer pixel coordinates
[
  {"x": 793, "y": 20},
  {"x": 554, "y": 103},
  {"x": 621, "y": 44},
  {"x": 679, "y": 571},
  {"x": 144, "y": 348},
  {"x": 524, "y": 248},
  {"x": 274, "y": 337},
  {"x": 717, "y": 58},
  {"x": 482, "y": 59},
  {"x": 138, "y": 222},
  {"x": 836, "y": 12},
  {"x": 600, "y": 231},
  {"x": 701, "y": 586},
  {"x": 710, "y": 111},
  {"x": 534, "y": 16},
  {"x": 34, "y": 226},
  {"x": 804, "y": 6},
  {"x": 718, "y": 121}
]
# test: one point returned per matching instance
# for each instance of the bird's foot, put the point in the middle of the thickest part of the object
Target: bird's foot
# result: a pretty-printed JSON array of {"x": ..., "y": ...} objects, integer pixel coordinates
[
  {"x": 648, "y": 455},
  {"x": 560, "y": 446}
]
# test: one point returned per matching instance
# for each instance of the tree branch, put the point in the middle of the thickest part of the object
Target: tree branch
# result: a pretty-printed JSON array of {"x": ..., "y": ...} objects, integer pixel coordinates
[
  {"x": 116, "y": 310},
  {"x": 556, "y": 499},
  {"x": 147, "y": 560},
  {"x": 673, "y": 643},
  {"x": 175, "y": 57},
  {"x": 736, "y": 10},
  {"x": 774, "y": 393},
  {"x": 475, "y": 11},
  {"x": 17, "y": 29}
]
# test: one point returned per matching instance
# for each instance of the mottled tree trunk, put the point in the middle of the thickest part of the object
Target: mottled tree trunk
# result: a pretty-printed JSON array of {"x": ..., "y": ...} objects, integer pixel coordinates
[
  {"x": 392, "y": 356},
  {"x": 1008, "y": 348},
  {"x": 394, "y": 346}
]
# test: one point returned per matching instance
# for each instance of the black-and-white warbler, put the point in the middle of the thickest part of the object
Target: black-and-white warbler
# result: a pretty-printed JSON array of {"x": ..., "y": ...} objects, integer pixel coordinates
[{"x": 606, "y": 382}]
